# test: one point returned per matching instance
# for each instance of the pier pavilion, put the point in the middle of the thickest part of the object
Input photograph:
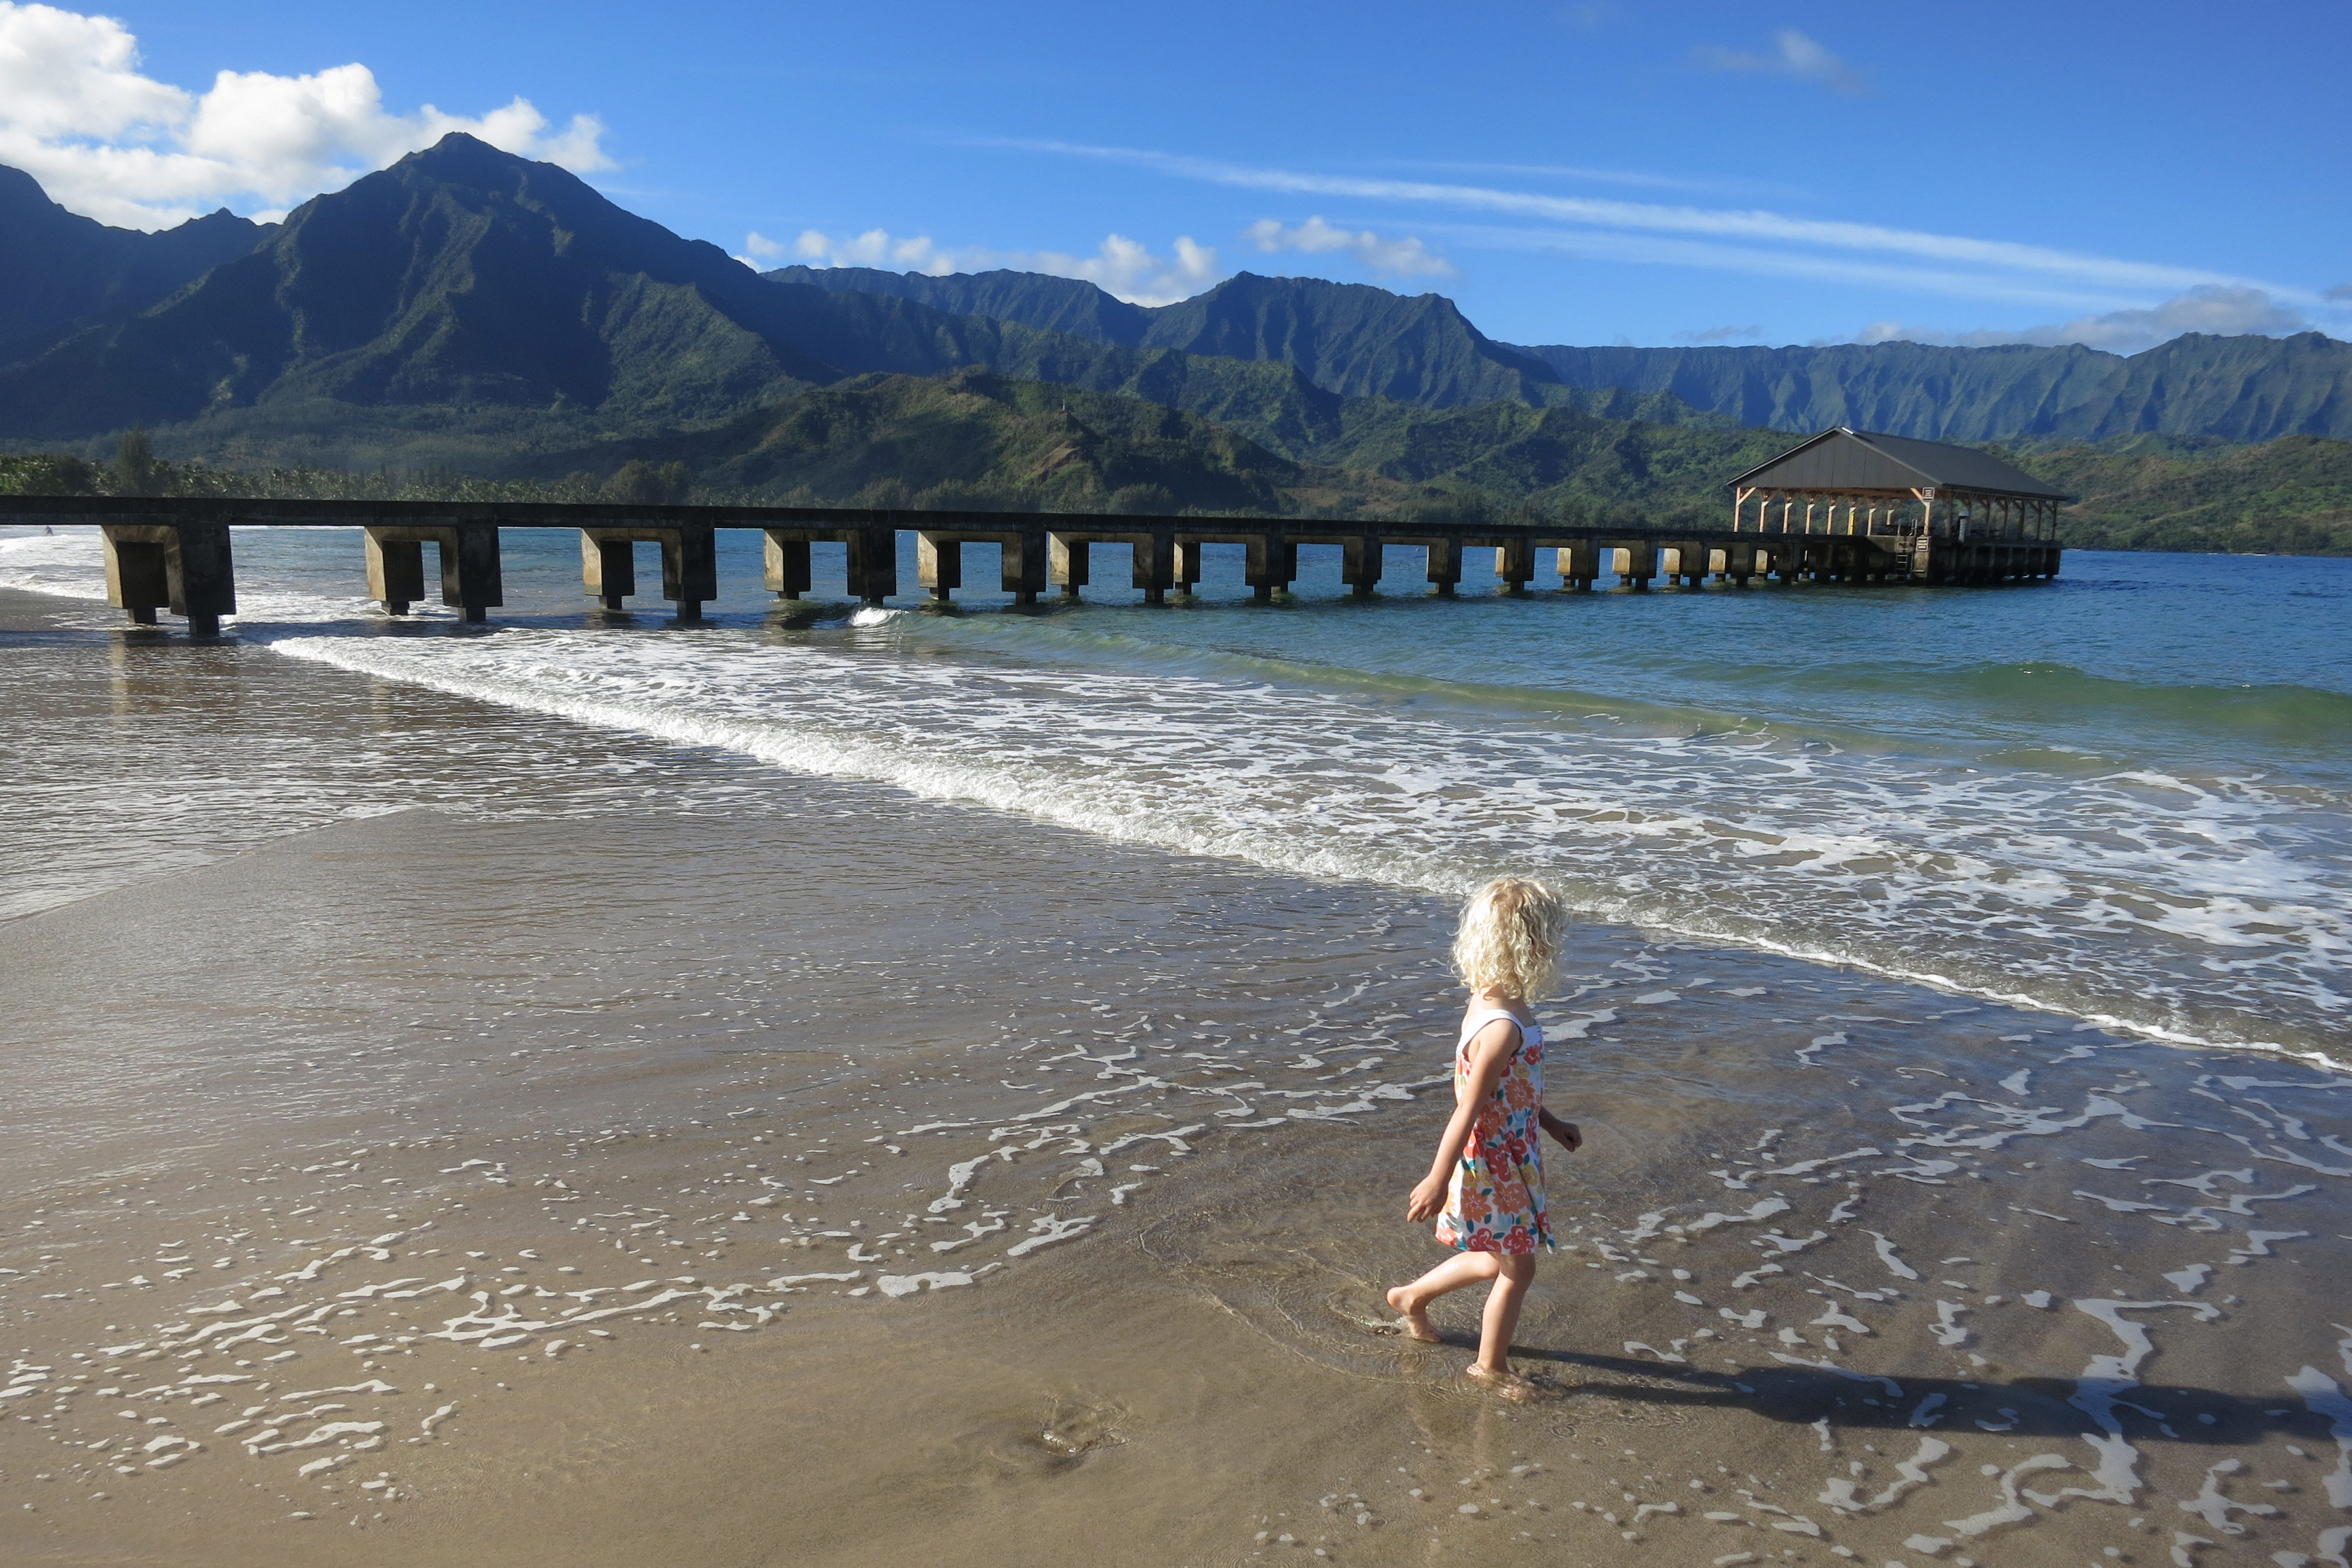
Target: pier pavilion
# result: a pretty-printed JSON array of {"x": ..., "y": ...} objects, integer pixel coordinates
[
  {"x": 1874, "y": 508},
  {"x": 1862, "y": 503}
]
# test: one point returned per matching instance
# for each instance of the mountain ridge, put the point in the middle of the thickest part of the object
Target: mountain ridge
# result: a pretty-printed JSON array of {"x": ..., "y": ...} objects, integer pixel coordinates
[
  {"x": 1352, "y": 338},
  {"x": 60, "y": 270},
  {"x": 2240, "y": 388}
]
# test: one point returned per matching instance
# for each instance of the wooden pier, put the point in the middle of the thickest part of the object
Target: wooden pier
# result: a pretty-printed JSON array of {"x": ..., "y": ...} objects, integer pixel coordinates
[{"x": 175, "y": 554}]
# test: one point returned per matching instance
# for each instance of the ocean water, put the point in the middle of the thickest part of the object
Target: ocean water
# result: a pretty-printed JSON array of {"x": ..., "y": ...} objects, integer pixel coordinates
[
  {"x": 2121, "y": 797},
  {"x": 509, "y": 1089}
]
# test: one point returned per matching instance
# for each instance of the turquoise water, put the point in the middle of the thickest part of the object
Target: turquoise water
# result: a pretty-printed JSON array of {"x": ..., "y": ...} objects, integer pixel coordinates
[{"x": 2121, "y": 796}]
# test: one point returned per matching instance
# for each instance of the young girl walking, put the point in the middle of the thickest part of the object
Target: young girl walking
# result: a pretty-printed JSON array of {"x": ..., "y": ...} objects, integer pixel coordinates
[{"x": 1486, "y": 1185}]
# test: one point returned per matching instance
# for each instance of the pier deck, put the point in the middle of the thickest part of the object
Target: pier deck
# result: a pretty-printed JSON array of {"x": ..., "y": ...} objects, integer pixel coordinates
[{"x": 175, "y": 553}]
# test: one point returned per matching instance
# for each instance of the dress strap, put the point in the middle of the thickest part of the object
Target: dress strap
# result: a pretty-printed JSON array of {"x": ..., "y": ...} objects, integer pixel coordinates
[{"x": 1480, "y": 1020}]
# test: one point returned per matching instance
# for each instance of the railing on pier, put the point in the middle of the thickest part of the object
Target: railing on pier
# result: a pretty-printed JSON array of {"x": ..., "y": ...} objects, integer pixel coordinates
[{"x": 173, "y": 553}]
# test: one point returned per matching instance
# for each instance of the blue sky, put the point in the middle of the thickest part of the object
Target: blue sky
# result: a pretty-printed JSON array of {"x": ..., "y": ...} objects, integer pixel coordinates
[{"x": 1581, "y": 172}]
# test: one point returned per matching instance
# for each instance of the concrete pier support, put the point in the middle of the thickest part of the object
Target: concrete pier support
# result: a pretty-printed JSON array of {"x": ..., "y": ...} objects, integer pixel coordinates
[
  {"x": 1579, "y": 564},
  {"x": 1021, "y": 565},
  {"x": 1636, "y": 565},
  {"x": 1188, "y": 565},
  {"x": 471, "y": 583},
  {"x": 183, "y": 566},
  {"x": 1445, "y": 566},
  {"x": 873, "y": 564},
  {"x": 1743, "y": 561},
  {"x": 787, "y": 564},
  {"x": 939, "y": 564},
  {"x": 1515, "y": 566},
  {"x": 1360, "y": 564},
  {"x": 608, "y": 569},
  {"x": 1272, "y": 564},
  {"x": 1066, "y": 563},
  {"x": 395, "y": 571},
  {"x": 690, "y": 564},
  {"x": 1155, "y": 565}
]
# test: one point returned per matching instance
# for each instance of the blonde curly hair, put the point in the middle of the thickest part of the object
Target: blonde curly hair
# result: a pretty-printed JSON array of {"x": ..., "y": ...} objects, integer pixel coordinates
[{"x": 1510, "y": 938}]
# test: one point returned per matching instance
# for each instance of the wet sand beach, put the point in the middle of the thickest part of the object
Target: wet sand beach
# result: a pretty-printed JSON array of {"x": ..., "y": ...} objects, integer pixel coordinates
[{"x": 668, "y": 1157}]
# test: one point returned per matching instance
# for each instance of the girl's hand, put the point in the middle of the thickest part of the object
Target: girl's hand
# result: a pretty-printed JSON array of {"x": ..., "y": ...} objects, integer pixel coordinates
[
  {"x": 1427, "y": 1198},
  {"x": 1569, "y": 1136}
]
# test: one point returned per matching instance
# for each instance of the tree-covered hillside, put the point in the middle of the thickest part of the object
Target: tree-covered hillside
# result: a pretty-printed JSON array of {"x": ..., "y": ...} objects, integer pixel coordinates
[{"x": 2291, "y": 496}]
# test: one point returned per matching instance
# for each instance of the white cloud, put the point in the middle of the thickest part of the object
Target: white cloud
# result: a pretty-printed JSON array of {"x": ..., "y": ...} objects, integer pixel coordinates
[
  {"x": 1792, "y": 55},
  {"x": 1405, "y": 258},
  {"x": 875, "y": 247},
  {"x": 1124, "y": 267},
  {"x": 1119, "y": 265},
  {"x": 2223, "y": 311},
  {"x": 759, "y": 250},
  {"x": 110, "y": 142}
]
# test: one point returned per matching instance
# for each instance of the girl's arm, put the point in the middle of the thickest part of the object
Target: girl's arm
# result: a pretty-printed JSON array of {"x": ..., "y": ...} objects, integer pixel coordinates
[
  {"x": 1490, "y": 1052},
  {"x": 1570, "y": 1136}
]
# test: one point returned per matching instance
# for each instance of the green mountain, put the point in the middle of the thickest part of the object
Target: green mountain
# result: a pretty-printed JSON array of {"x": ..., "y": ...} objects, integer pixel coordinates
[
  {"x": 2289, "y": 496},
  {"x": 1032, "y": 298},
  {"x": 2244, "y": 389},
  {"x": 1345, "y": 338},
  {"x": 1359, "y": 341},
  {"x": 1557, "y": 460},
  {"x": 973, "y": 439},
  {"x": 977, "y": 439},
  {"x": 467, "y": 302},
  {"x": 60, "y": 270}
]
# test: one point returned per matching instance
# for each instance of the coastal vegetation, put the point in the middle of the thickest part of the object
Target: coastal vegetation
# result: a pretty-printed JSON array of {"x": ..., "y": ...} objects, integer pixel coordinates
[{"x": 981, "y": 442}]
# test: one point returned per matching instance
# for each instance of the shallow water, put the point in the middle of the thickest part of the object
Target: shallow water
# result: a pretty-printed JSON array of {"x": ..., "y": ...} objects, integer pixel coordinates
[
  {"x": 1070, "y": 988},
  {"x": 2105, "y": 796}
]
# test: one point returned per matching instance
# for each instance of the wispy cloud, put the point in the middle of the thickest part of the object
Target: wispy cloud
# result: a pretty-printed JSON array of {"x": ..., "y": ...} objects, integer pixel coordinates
[
  {"x": 109, "y": 141},
  {"x": 2227, "y": 312},
  {"x": 1760, "y": 239},
  {"x": 1598, "y": 177},
  {"x": 1121, "y": 266},
  {"x": 1403, "y": 256},
  {"x": 1719, "y": 335},
  {"x": 1666, "y": 250},
  {"x": 1792, "y": 55}
]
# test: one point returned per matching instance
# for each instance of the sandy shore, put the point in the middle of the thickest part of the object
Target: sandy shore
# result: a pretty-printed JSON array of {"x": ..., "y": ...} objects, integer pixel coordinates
[{"x": 836, "y": 1177}]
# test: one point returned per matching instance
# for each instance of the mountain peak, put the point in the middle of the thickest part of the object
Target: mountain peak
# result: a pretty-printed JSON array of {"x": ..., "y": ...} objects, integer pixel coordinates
[{"x": 461, "y": 155}]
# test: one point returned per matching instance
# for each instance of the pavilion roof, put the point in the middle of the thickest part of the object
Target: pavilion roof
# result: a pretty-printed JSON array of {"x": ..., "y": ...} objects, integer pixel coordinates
[{"x": 1842, "y": 459}]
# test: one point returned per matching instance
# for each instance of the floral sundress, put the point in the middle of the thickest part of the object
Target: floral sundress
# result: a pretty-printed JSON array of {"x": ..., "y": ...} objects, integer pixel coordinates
[{"x": 1496, "y": 1201}]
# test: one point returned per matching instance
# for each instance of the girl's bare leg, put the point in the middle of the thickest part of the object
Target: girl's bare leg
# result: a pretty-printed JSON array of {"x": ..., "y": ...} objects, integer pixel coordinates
[
  {"x": 1514, "y": 1272},
  {"x": 1462, "y": 1269}
]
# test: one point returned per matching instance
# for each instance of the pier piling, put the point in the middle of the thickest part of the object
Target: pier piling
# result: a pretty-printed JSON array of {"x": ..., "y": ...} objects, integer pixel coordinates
[
  {"x": 1155, "y": 565},
  {"x": 1444, "y": 565},
  {"x": 1066, "y": 563},
  {"x": 179, "y": 564},
  {"x": 470, "y": 565},
  {"x": 690, "y": 558},
  {"x": 786, "y": 561},
  {"x": 939, "y": 564}
]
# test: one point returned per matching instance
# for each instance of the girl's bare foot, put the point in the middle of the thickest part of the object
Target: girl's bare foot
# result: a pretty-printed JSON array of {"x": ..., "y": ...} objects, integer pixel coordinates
[
  {"x": 1506, "y": 1384},
  {"x": 1415, "y": 1322}
]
